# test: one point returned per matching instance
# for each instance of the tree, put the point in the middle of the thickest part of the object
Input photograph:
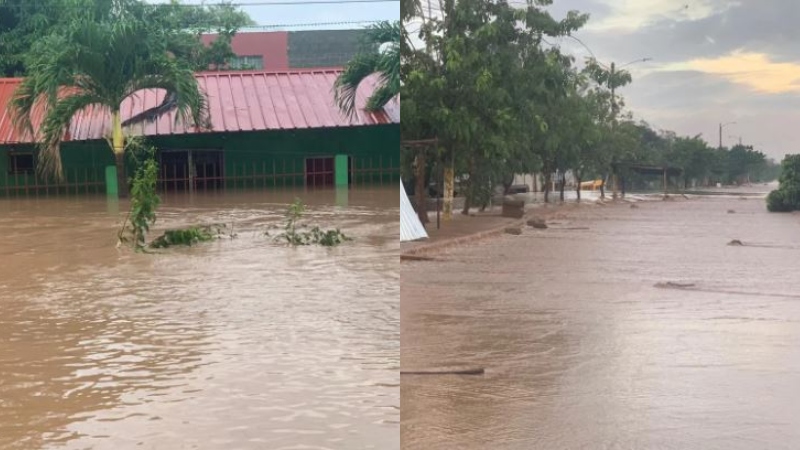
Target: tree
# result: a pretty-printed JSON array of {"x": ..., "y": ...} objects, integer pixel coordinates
[
  {"x": 787, "y": 196},
  {"x": 381, "y": 55},
  {"x": 610, "y": 79},
  {"x": 100, "y": 63},
  {"x": 742, "y": 161},
  {"x": 25, "y": 22},
  {"x": 22, "y": 23}
]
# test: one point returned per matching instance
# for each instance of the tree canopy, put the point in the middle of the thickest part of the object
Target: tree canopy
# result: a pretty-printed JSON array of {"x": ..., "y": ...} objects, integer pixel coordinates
[{"x": 23, "y": 23}]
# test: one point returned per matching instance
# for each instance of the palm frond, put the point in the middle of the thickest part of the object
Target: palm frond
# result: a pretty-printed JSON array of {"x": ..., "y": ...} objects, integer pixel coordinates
[
  {"x": 184, "y": 95},
  {"x": 383, "y": 32},
  {"x": 382, "y": 95},
  {"x": 53, "y": 128},
  {"x": 346, "y": 85}
]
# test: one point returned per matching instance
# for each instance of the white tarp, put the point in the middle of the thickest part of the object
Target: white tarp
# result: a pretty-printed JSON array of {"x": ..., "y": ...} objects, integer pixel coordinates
[{"x": 411, "y": 228}]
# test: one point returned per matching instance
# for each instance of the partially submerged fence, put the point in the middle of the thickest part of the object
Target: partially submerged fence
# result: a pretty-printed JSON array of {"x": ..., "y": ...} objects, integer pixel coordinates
[
  {"x": 287, "y": 173},
  {"x": 76, "y": 181}
]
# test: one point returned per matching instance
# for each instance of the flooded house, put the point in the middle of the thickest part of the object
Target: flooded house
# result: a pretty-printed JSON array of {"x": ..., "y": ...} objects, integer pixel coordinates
[{"x": 268, "y": 129}]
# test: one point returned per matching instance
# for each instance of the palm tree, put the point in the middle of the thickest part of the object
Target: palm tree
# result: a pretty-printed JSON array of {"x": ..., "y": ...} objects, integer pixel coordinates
[
  {"x": 99, "y": 64},
  {"x": 381, "y": 56}
]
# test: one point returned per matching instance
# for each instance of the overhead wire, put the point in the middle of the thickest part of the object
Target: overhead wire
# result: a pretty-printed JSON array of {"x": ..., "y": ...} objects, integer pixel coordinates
[{"x": 32, "y": 4}]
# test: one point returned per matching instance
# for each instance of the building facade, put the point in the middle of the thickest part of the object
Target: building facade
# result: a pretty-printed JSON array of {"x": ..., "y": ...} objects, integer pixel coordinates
[
  {"x": 267, "y": 130},
  {"x": 284, "y": 50}
]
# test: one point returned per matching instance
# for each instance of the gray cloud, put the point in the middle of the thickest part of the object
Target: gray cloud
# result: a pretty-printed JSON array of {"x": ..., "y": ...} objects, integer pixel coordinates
[
  {"x": 765, "y": 26},
  {"x": 597, "y": 9},
  {"x": 691, "y": 102}
]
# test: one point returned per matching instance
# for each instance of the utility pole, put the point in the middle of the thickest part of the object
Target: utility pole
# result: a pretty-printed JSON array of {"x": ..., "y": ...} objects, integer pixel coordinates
[
  {"x": 613, "y": 87},
  {"x": 721, "y": 126}
]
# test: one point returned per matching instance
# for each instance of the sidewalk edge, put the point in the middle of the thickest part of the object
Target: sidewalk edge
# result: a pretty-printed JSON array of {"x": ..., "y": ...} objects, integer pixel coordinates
[{"x": 460, "y": 240}]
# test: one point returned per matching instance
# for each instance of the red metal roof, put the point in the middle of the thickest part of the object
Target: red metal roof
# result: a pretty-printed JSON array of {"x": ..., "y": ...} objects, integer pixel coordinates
[{"x": 238, "y": 101}]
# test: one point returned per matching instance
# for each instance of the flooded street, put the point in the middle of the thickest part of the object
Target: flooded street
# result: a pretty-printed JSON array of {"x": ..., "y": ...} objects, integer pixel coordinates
[
  {"x": 235, "y": 344},
  {"x": 587, "y": 345}
]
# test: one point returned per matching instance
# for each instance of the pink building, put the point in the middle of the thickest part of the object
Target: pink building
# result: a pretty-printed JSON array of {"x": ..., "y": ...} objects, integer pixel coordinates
[{"x": 282, "y": 50}]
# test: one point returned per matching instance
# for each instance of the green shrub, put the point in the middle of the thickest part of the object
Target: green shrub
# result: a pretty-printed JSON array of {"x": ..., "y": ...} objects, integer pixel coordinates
[
  {"x": 317, "y": 236},
  {"x": 144, "y": 199},
  {"x": 184, "y": 237},
  {"x": 776, "y": 202},
  {"x": 787, "y": 197}
]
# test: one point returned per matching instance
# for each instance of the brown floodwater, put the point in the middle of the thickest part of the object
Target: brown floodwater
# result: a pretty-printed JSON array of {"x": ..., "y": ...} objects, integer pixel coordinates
[
  {"x": 586, "y": 346},
  {"x": 234, "y": 344}
]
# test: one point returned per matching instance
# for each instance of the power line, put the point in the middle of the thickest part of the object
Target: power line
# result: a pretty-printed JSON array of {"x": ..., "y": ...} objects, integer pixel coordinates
[
  {"x": 284, "y": 3},
  {"x": 238, "y": 5},
  {"x": 312, "y": 24}
]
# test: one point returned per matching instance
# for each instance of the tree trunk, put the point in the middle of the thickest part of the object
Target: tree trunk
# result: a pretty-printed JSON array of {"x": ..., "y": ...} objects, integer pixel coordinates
[
  {"x": 422, "y": 204},
  {"x": 562, "y": 184},
  {"x": 603, "y": 188},
  {"x": 578, "y": 186},
  {"x": 449, "y": 187},
  {"x": 118, "y": 147},
  {"x": 535, "y": 183},
  {"x": 469, "y": 187},
  {"x": 122, "y": 179},
  {"x": 547, "y": 187}
]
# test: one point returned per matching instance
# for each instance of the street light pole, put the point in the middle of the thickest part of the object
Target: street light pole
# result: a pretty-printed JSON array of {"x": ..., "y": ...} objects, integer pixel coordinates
[
  {"x": 612, "y": 84},
  {"x": 721, "y": 126}
]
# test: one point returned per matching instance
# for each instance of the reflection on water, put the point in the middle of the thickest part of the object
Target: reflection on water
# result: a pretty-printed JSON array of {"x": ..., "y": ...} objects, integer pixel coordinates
[
  {"x": 582, "y": 351},
  {"x": 232, "y": 344}
]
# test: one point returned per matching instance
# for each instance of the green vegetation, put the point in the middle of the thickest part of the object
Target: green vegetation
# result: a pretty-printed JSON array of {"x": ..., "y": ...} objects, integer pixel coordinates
[
  {"x": 316, "y": 236},
  {"x": 187, "y": 236},
  {"x": 144, "y": 200},
  {"x": 787, "y": 197},
  {"x": 486, "y": 80},
  {"x": 24, "y": 22},
  {"x": 101, "y": 53},
  {"x": 381, "y": 55}
]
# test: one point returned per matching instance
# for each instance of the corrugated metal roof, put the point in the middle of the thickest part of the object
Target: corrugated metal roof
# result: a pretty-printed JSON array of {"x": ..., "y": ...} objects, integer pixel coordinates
[
  {"x": 238, "y": 101},
  {"x": 411, "y": 228}
]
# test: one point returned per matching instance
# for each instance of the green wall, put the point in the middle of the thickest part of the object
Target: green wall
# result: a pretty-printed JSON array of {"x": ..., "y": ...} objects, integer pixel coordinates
[{"x": 253, "y": 156}]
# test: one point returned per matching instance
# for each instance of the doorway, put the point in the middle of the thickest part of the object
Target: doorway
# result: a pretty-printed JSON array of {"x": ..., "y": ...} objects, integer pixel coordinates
[
  {"x": 319, "y": 172},
  {"x": 183, "y": 170}
]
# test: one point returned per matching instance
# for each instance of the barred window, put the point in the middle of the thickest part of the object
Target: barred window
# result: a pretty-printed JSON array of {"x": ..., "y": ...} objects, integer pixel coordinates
[
  {"x": 247, "y": 63},
  {"x": 20, "y": 163}
]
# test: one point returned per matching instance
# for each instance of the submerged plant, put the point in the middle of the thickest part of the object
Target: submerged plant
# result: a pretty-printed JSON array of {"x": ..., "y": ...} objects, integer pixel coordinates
[
  {"x": 186, "y": 236},
  {"x": 316, "y": 236},
  {"x": 144, "y": 200}
]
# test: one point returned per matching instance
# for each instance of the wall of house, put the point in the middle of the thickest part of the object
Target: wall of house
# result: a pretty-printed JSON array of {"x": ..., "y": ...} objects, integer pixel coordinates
[
  {"x": 84, "y": 164},
  {"x": 257, "y": 159},
  {"x": 271, "y": 46}
]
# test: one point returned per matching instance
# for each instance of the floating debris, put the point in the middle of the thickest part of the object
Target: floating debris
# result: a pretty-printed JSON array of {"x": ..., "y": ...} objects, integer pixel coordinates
[
  {"x": 516, "y": 231},
  {"x": 537, "y": 223},
  {"x": 416, "y": 258},
  {"x": 736, "y": 243},
  {"x": 675, "y": 285},
  {"x": 446, "y": 371}
]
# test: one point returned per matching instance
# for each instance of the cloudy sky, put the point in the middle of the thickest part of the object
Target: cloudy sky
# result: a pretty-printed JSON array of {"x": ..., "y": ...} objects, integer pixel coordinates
[
  {"x": 713, "y": 61},
  {"x": 301, "y": 15}
]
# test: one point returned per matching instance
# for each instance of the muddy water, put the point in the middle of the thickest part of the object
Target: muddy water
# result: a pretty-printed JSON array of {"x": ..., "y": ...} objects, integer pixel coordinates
[
  {"x": 583, "y": 351},
  {"x": 235, "y": 344}
]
